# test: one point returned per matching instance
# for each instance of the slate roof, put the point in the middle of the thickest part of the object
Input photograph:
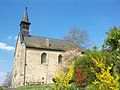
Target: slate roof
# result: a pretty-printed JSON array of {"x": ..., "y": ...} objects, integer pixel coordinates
[{"x": 54, "y": 44}]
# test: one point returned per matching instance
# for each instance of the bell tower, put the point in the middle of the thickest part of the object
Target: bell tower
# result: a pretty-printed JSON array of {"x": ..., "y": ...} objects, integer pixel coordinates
[{"x": 25, "y": 24}]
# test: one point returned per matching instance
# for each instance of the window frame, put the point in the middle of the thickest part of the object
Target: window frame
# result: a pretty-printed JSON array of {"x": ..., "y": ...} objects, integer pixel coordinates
[
  {"x": 60, "y": 59},
  {"x": 43, "y": 58}
]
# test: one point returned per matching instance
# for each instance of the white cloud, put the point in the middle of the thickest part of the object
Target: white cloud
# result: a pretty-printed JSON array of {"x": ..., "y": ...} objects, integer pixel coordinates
[
  {"x": 6, "y": 47},
  {"x": 15, "y": 38},
  {"x": 2, "y": 77},
  {"x": 2, "y": 61},
  {"x": 10, "y": 37}
]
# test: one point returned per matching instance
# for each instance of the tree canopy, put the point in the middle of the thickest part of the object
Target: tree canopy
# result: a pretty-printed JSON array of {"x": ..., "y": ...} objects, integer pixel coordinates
[
  {"x": 77, "y": 36},
  {"x": 113, "y": 38}
]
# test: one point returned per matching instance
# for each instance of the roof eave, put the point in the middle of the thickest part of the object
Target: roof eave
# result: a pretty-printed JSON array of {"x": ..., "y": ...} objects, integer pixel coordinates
[{"x": 52, "y": 49}]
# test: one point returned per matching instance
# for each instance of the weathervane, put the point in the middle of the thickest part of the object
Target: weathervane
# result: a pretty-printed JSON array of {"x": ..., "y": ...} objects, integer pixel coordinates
[{"x": 26, "y": 3}]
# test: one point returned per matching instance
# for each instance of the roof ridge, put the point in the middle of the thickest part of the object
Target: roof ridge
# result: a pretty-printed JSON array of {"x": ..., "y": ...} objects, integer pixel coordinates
[{"x": 48, "y": 38}]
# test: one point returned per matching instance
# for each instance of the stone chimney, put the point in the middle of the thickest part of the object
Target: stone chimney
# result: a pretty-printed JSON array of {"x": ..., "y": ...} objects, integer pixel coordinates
[{"x": 47, "y": 42}]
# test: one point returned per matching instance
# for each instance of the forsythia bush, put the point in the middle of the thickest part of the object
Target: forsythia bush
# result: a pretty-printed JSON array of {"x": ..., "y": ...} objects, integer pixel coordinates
[
  {"x": 105, "y": 81},
  {"x": 63, "y": 79}
]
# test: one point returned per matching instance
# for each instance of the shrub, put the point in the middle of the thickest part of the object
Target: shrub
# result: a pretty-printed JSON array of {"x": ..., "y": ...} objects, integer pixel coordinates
[
  {"x": 1, "y": 88},
  {"x": 104, "y": 79},
  {"x": 87, "y": 65},
  {"x": 63, "y": 79},
  {"x": 91, "y": 87},
  {"x": 80, "y": 78}
]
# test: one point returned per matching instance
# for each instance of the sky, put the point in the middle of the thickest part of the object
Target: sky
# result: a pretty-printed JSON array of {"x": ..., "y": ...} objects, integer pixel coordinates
[{"x": 54, "y": 18}]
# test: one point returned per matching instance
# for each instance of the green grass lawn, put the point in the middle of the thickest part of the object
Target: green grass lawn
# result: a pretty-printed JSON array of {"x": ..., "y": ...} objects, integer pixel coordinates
[
  {"x": 44, "y": 87},
  {"x": 41, "y": 87},
  {"x": 36, "y": 87}
]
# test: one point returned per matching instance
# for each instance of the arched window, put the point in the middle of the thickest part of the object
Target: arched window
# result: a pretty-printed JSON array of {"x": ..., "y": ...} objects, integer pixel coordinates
[
  {"x": 43, "y": 58},
  {"x": 60, "y": 59}
]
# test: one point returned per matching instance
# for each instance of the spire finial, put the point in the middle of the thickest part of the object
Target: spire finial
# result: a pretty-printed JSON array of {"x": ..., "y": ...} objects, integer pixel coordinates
[
  {"x": 25, "y": 17},
  {"x": 26, "y": 8}
]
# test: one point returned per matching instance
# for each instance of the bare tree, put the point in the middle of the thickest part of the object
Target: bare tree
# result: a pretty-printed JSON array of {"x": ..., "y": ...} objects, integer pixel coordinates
[
  {"x": 78, "y": 37},
  {"x": 7, "y": 82}
]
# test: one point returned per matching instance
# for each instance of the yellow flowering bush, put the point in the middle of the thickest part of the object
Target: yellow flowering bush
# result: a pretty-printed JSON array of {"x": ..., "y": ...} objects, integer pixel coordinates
[
  {"x": 104, "y": 79},
  {"x": 63, "y": 79}
]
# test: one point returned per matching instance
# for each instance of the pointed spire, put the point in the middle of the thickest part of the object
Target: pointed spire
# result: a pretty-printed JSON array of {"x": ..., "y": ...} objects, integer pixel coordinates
[
  {"x": 25, "y": 24},
  {"x": 25, "y": 17}
]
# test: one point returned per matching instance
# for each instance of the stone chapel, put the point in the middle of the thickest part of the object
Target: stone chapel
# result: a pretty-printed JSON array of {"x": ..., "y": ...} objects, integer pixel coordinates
[{"x": 36, "y": 59}]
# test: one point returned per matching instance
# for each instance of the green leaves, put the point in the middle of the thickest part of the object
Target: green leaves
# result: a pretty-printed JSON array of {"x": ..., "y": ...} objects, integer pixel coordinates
[{"x": 113, "y": 37}]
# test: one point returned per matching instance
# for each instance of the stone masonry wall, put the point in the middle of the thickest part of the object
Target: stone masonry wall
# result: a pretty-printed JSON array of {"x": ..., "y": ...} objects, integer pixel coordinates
[
  {"x": 37, "y": 72},
  {"x": 18, "y": 65}
]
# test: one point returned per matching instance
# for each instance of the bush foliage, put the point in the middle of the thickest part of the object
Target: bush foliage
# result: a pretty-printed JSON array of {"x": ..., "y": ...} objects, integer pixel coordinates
[{"x": 98, "y": 69}]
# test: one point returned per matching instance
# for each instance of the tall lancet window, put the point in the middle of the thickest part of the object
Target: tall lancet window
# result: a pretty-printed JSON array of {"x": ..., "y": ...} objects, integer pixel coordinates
[
  {"x": 43, "y": 58},
  {"x": 60, "y": 58}
]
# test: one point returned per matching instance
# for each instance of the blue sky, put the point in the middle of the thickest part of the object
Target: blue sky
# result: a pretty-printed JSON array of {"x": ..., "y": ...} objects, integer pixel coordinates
[{"x": 54, "y": 18}]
